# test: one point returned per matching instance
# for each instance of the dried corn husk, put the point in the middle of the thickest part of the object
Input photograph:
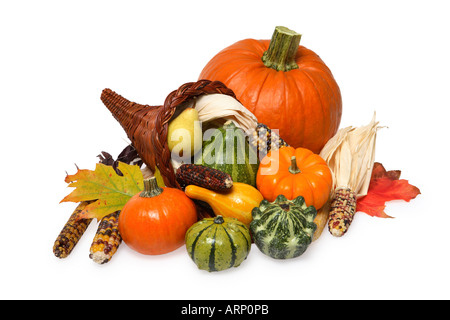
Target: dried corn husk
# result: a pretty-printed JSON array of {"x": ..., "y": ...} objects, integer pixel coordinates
[
  {"x": 216, "y": 109},
  {"x": 219, "y": 108},
  {"x": 350, "y": 154}
]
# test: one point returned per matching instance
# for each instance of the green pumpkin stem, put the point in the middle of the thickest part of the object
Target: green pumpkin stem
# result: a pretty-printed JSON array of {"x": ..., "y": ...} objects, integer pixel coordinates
[
  {"x": 151, "y": 188},
  {"x": 282, "y": 50},
  {"x": 294, "y": 168}
]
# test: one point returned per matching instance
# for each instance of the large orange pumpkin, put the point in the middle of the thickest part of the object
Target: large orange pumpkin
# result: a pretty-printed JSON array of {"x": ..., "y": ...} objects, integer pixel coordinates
[
  {"x": 292, "y": 173},
  {"x": 286, "y": 86}
]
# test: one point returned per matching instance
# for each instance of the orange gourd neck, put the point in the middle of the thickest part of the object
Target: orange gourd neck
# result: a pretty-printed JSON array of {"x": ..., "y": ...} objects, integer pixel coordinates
[
  {"x": 294, "y": 168},
  {"x": 282, "y": 50},
  {"x": 151, "y": 189}
]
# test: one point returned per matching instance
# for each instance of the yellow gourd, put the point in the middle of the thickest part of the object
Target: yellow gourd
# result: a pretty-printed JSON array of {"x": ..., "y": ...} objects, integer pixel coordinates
[{"x": 237, "y": 203}]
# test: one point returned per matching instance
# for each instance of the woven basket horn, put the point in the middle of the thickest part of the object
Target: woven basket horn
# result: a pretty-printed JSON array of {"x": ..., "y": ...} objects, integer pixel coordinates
[{"x": 146, "y": 126}]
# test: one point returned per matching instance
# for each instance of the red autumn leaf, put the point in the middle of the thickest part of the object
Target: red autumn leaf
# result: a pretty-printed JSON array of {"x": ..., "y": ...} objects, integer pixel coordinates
[
  {"x": 379, "y": 171},
  {"x": 385, "y": 186}
]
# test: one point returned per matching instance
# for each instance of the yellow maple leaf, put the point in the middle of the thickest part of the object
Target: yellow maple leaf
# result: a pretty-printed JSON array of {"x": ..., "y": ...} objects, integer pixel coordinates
[
  {"x": 159, "y": 178},
  {"x": 108, "y": 191}
]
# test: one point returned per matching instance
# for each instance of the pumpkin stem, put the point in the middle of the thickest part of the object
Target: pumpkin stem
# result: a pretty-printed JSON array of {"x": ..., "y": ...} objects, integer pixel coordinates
[
  {"x": 151, "y": 188},
  {"x": 282, "y": 50},
  {"x": 294, "y": 168},
  {"x": 219, "y": 220}
]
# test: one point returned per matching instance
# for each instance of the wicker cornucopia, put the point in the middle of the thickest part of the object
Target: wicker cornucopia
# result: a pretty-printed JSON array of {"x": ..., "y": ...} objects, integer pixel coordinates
[{"x": 146, "y": 126}]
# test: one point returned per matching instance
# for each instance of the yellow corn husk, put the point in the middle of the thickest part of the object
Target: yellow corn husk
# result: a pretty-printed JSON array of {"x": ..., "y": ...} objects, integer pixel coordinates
[
  {"x": 220, "y": 108},
  {"x": 106, "y": 240},
  {"x": 71, "y": 233},
  {"x": 350, "y": 154}
]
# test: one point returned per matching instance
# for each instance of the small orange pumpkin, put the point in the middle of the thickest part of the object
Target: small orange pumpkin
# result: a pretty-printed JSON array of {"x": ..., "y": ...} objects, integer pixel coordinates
[
  {"x": 155, "y": 220},
  {"x": 292, "y": 173}
]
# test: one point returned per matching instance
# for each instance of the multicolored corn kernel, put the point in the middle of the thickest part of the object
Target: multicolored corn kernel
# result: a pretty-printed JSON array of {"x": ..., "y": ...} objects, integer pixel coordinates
[
  {"x": 264, "y": 140},
  {"x": 71, "y": 233},
  {"x": 202, "y": 176},
  {"x": 107, "y": 239},
  {"x": 342, "y": 211}
]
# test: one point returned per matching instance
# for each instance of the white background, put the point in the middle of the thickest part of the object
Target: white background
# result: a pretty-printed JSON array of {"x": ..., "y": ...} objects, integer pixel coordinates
[{"x": 56, "y": 57}]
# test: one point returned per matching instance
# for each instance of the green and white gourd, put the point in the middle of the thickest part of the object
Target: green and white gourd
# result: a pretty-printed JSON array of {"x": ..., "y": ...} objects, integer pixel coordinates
[
  {"x": 283, "y": 229},
  {"x": 218, "y": 243},
  {"x": 228, "y": 150}
]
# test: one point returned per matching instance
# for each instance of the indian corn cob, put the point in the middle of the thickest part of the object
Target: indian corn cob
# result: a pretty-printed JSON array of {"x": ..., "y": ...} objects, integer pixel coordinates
[
  {"x": 71, "y": 232},
  {"x": 202, "y": 176},
  {"x": 107, "y": 239},
  {"x": 342, "y": 210},
  {"x": 264, "y": 139},
  {"x": 350, "y": 154}
]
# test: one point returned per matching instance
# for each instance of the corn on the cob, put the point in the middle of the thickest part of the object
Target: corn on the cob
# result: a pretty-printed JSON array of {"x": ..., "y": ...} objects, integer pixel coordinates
[
  {"x": 342, "y": 211},
  {"x": 107, "y": 239},
  {"x": 202, "y": 176},
  {"x": 264, "y": 140},
  {"x": 71, "y": 233}
]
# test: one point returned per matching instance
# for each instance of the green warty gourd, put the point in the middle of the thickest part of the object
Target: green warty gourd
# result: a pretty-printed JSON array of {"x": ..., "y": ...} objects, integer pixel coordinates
[{"x": 283, "y": 229}]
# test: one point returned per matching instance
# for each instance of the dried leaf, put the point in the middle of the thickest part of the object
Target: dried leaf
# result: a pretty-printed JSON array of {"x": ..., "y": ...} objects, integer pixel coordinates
[
  {"x": 159, "y": 178},
  {"x": 380, "y": 172},
  {"x": 109, "y": 190},
  {"x": 385, "y": 186},
  {"x": 128, "y": 155}
]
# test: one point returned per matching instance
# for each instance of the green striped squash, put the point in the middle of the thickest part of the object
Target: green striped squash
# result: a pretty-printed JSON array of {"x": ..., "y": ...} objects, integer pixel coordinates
[
  {"x": 218, "y": 243},
  {"x": 283, "y": 229},
  {"x": 227, "y": 149}
]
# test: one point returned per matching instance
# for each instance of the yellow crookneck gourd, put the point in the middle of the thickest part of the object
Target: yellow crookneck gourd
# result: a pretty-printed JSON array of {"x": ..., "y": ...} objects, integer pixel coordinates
[
  {"x": 237, "y": 203},
  {"x": 184, "y": 134}
]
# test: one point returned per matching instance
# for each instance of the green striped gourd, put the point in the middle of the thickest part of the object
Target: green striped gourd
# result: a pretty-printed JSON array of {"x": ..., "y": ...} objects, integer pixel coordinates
[
  {"x": 229, "y": 151},
  {"x": 218, "y": 243},
  {"x": 284, "y": 228}
]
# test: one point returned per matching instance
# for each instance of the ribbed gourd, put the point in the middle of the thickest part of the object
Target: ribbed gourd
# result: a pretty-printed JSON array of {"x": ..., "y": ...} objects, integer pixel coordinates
[
  {"x": 229, "y": 150},
  {"x": 218, "y": 243},
  {"x": 283, "y": 229}
]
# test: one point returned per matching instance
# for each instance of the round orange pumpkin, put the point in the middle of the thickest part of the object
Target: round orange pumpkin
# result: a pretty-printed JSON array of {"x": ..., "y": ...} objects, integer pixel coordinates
[
  {"x": 292, "y": 173},
  {"x": 155, "y": 221},
  {"x": 286, "y": 86}
]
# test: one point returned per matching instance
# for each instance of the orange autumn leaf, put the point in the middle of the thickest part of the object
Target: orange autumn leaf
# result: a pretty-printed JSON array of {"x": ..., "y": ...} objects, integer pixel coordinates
[
  {"x": 385, "y": 186},
  {"x": 107, "y": 190}
]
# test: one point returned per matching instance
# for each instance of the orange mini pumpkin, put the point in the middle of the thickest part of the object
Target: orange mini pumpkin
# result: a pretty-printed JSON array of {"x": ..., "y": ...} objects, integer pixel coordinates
[
  {"x": 155, "y": 221},
  {"x": 292, "y": 173}
]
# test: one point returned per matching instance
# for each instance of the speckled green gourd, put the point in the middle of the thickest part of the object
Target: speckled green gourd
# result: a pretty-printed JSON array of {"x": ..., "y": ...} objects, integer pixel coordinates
[
  {"x": 229, "y": 151},
  {"x": 283, "y": 229},
  {"x": 218, "y": 243}
]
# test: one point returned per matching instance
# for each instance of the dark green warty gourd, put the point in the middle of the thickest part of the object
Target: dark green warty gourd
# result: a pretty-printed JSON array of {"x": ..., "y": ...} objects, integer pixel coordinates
[{"x": 284, "y": 228}]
